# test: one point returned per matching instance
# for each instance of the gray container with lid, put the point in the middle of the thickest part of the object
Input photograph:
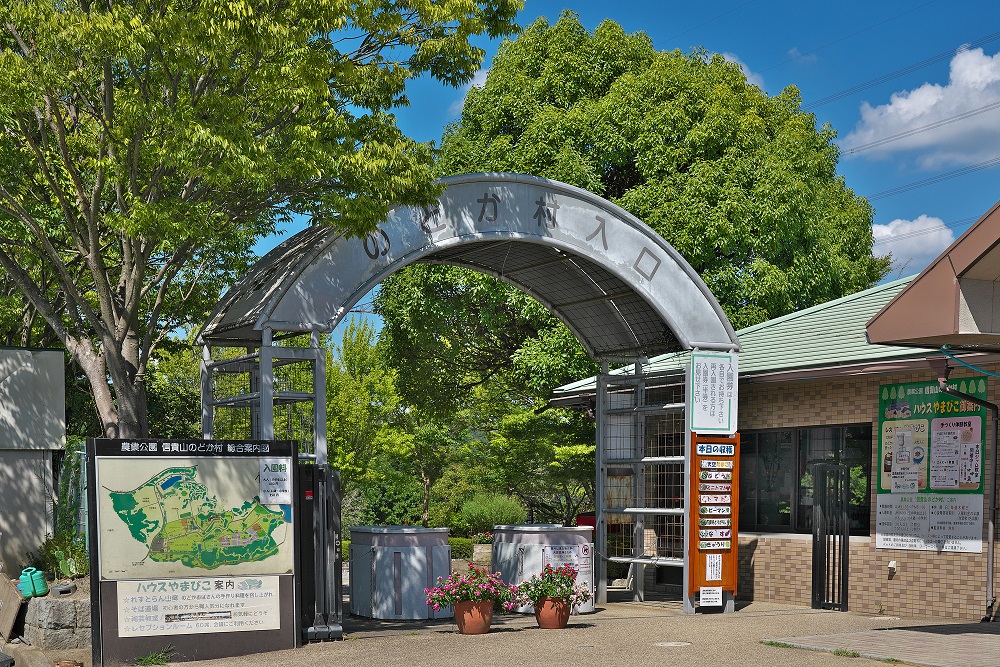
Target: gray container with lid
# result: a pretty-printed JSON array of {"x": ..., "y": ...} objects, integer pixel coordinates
[
  {"x": 390, "y": 566},
  {"x": 522, "y": 551}
]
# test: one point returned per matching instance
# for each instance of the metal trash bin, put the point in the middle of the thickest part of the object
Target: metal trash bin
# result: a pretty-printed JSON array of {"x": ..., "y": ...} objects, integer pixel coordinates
[
  {"x": 390, "y": 566},
  {"x": 520, "y": 552}
]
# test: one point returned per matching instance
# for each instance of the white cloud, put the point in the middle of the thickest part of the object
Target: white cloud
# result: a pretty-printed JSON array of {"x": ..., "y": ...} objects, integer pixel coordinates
[
  {"x": 974, "y": 82},
  {"x": 752, "y": 77},
  {"x": 913, "y": 243},
  {"x": 800, "y": 57},
  {"x": 478, "y": 81}
]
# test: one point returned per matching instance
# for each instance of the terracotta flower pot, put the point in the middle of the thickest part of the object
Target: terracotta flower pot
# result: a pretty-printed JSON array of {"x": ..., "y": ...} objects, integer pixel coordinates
[
  {"x": 552, "y": 613},
  {"x": 474, "y": 618}
]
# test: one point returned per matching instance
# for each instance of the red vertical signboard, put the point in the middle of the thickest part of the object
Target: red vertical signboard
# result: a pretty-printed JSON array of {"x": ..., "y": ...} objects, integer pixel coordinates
[{"x": 714, "y": 502}]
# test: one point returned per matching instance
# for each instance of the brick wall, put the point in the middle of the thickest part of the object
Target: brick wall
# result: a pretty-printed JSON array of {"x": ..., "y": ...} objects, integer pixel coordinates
[{"x": 778, "y": 567}]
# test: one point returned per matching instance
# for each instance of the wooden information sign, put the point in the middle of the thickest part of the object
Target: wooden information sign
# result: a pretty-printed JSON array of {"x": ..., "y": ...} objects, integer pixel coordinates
[{"x": 715, "y": 502}]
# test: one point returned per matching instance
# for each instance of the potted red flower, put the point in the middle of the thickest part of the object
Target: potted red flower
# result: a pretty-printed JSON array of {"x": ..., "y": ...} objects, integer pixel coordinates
[
  {"x": 553, "y": 593},
  {"x": 472, "y": 594}
]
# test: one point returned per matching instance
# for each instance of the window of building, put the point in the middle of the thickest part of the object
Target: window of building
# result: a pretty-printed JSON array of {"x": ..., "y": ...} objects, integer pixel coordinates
[{"x": 776, "y": 480}]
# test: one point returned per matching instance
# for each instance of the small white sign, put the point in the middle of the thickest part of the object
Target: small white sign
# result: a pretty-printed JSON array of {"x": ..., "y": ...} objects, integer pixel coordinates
[
  {"x": 714, "y": 392},
  {"x": 716, "y": 488},
  {"x": 718, "y": 523},
  {"x": 715, "y": 509},
  {"x": 714, "y": 449},
  {"x": 713, "y": 567},
  {"x": 275, "y": 482},
  {"x": 712, "y": 545},
  {"x": 721, "y": 475},
  {"x": 712, "y": 464},
  {"x": 711, "y": 596},
  {"x": 714, "y": 500},
  {"x": 715, "y": 533}
]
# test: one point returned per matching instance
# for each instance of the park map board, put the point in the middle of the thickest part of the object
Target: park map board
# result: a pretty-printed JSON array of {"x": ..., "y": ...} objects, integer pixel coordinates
[
  {"x": 189, "y": 518},
  {"x": 193, "y": 538}
]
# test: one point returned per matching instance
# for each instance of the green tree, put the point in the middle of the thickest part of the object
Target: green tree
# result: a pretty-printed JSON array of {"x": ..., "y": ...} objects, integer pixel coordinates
[
  {"x": 148, "y": 145},
  {"x": 461, "y": 340},
  {"x": 546, "y": 460},
  {"x": 361, "y": 406},
  {"x": 742, "y": 184}
]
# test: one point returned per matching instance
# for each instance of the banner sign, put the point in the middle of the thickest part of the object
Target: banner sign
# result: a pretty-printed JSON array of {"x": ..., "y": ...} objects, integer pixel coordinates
[
  {"x": 930, "y": 467},
  {"x": 713, "y": 392},
  {"x": 715, "y": 504}
]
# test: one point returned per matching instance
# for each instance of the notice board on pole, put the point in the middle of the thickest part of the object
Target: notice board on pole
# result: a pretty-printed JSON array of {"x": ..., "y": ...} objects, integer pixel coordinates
[
  {"x": 930, "y": 467},
  {"x": 713, "y": 392},
  {"x": 191, "y": 539},
  {"x": 714, "y": 502}
]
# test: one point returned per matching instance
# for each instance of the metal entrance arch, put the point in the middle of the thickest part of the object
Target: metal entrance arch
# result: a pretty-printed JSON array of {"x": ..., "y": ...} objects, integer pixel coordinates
[{"x": 620, "y": 288}]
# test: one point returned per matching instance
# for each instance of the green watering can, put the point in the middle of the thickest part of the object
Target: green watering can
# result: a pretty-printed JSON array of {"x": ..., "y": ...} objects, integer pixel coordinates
[{"x": 33, "y": 583}]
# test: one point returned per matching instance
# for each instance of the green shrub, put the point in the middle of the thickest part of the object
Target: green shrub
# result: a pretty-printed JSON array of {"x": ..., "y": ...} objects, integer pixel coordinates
[
  {"x": 62, "y": 555},
  {"x": 485, "y": 510},
  {"x": 461, "y": 547}
]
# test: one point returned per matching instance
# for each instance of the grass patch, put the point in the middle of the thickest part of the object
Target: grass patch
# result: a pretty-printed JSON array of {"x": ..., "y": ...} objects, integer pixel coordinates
[
  {"x": 844, "y": 653},
  {"x": 769, "y": 642},
  {"x": 160, "y": 657}
]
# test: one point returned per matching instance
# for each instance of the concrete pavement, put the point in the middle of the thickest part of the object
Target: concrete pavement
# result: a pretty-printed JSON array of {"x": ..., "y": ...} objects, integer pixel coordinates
[{"x": 629, "y": 634}]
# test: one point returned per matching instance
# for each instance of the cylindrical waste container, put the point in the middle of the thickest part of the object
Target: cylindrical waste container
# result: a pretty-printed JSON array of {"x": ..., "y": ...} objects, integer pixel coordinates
[
  {"x": 390, "y": 566},
  {"x": 520, "y": 552}
]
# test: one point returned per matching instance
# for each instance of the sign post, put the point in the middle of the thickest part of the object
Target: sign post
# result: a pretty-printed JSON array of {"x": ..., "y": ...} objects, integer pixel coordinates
[
  {"x": 714, "y": 502},
  {"x": 191, "y": 538}
]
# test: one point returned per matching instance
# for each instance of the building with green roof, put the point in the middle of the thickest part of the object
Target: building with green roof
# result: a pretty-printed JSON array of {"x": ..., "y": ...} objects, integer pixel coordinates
[{"x": 810, "y": 387}]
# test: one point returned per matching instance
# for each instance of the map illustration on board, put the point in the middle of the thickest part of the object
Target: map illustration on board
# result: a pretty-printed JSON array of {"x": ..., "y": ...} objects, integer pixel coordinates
[{"x": 177, "y": 523}]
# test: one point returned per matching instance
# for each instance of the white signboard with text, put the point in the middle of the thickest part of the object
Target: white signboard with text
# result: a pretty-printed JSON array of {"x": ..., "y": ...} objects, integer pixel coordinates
[
  {"x": 713, "y": 392},
  {"x": 930, "y": 522}
]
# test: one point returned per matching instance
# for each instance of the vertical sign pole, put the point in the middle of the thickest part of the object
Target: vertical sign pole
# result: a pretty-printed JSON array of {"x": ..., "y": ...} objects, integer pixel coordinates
[
  {"x": 601, "y": 536},
  {"x": 319, "y": 399},
  {"x": 688, "y": 505},
  {"x": 266, "y": 415},
  {"x": 639, "y": 474},
  {"x": 207, "y": 409}
]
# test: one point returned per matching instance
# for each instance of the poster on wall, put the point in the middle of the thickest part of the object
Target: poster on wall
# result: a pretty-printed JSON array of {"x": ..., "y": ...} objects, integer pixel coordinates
[{"x": 930, "y": 467}]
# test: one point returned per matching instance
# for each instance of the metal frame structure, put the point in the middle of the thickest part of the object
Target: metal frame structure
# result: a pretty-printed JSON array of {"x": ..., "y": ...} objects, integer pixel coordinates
[
  {"x": 621, "y": 289},
  {"x": 642, "y": 480}
]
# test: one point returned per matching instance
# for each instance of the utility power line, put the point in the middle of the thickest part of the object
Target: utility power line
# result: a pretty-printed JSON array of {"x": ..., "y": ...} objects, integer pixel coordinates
[
  {"x": 927, "y": 230},
  {"x": 924, "y": 128},
  {"x": 853, "y": 34},
  {"x": 986, "y": 164},
  {"x": 871, "y": 83}
]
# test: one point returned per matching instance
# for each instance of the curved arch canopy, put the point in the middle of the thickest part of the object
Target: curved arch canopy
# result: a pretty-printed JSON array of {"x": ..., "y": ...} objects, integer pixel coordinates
[{"x": 621, "y": 289}]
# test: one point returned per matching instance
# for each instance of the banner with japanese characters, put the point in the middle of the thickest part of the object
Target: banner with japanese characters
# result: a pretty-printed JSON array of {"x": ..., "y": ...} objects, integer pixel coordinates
[
  {"x": 714, "y": 392},
  {"x": 198, "y": 606},
  {"x": 930, "y": 467}
]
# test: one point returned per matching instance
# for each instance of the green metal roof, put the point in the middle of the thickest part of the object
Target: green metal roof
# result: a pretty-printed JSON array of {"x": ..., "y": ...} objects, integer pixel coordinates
[{"x": 830, "y": 334}]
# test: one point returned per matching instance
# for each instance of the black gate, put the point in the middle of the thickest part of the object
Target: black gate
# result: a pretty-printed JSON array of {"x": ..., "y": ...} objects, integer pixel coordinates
[{"x": 831, "y": 536}]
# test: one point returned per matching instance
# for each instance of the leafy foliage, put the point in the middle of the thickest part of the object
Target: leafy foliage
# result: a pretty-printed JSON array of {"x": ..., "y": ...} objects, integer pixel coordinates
[
  {"x": 362, "y": 404},
  {"x": 742, "y": 184},
  {"x": 485, "y": 510},
  {"x": 57, "y": 549},
  {"x": 146, "y": 147},
  {"x": 547, "y": 460}
]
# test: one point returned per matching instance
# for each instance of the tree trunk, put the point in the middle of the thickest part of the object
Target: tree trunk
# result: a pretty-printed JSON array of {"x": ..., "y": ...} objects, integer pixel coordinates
[
  {"x": 121, "y": 404},
  {"x": 427, "y": 500}
]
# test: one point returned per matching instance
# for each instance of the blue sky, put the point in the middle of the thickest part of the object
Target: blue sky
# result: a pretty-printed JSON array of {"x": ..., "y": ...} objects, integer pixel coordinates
[{"x": 950, "y": 52}]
